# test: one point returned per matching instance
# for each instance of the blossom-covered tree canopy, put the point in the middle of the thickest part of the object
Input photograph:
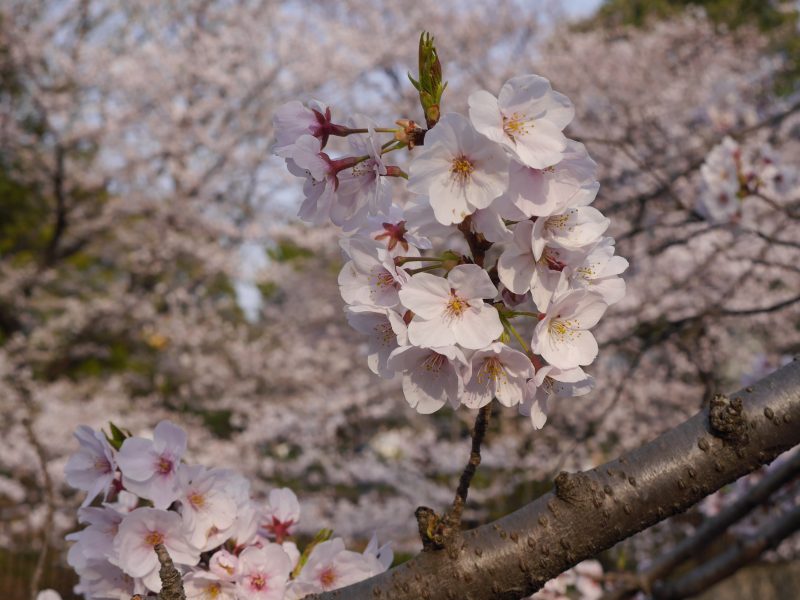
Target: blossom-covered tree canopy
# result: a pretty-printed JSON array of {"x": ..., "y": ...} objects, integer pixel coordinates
[{"x": 238, "y": 231}]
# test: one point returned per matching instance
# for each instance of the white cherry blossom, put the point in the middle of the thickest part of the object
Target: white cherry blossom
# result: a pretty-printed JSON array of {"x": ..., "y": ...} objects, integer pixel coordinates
[
  {"x": 224, "y": 565},
  {"x": 451, "y": 310},
  {"x": 458, "y": 169},
  {"x": 203, "y": 585},
  {"x": 385, "y": 329},
  {"x": 498, "y": 371},
  {"x": 331, "y": 566},
  {"x": 549, "y": 382},
  {"x": 432, "y": 377},
  {"x": 263, "y": 573},
  {"x": 562, "y": 337},
  {"x": 599, "y": 272},
  {"x": 527, "y": 117},
  {"x": 370, "y": 277},
  {"x": 544, "y": 192},
  {"x": 150, "y": 467},
  {"x": 281, "y": 514},
  {"x": 573, "y": 229},
  {"x": 92, "y": 468},
  {"x": 139, "y": 532},
  {"x": 206, "y": 508},
  {"x": 294, "y": 119}
]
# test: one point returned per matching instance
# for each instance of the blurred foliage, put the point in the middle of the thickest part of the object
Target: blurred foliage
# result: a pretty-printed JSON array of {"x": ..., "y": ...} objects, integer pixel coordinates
[
  {"x": 780, "y": 19},
  {"x": 288, "y": 251}
]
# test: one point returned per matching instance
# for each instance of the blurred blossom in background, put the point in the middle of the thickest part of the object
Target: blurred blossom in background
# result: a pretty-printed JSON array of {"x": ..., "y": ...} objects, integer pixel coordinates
[{"x": 152, "y": 267}]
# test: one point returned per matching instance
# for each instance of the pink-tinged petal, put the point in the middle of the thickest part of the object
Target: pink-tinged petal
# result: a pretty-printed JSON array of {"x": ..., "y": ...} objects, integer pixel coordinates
[
  {"x": 137, "y": 459},
  {"x": 426, "y": 295},
  {"x": 471, "y": 281},
  {"x": 560, "y": 110},
  {"x": 431, "y": 333},
  {"x": 519, "y": 92},
  {"x": 478, "y": 391},
  {"x": 168, "y": 436},
  {"x": 162, "y": 490},
  {"x": 590, "y": 311},
  {"x": 181, "y": 551},
  {"x": 516, "y": 269},
  {"x": 484, "y": 113},
  {"x": 615, "y": 266},
  {"x": 538, "y": 239},
  {"x": 449, "y": 202},
  {"x": 544, "y": 149},
  {"x": 509, "y": 390},
  {"x": 425, "y": 169},
  {"x": 516, "y": 363},
  {"x": 535, "y": 406},
  {"x": 478, "y": 327},
  {"x": 425, "y": 393}
]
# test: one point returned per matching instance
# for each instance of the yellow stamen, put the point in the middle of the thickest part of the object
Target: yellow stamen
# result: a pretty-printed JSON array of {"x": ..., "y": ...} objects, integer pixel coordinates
[
  {"x": 461, "y": 169},
  {"x": 516, "y": 125}
]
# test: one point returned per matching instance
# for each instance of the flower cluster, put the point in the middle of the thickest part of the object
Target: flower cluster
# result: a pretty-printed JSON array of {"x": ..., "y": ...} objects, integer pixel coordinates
[
  {"x": 498, "y": 230},
  {"x": 731, "y": 173},
  {"x": 226, "y": 544}
]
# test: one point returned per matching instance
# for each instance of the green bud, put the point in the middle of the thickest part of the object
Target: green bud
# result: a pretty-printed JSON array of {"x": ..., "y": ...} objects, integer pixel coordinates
[
  {"x": 429, "y": 85},
  {"x": 323, "y": 535}
]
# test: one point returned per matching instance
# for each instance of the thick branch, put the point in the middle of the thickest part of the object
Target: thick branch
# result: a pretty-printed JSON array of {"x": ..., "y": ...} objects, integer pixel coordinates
[
  {"x": 591, "y": 511},
  {"x": 730, "y": 561}
]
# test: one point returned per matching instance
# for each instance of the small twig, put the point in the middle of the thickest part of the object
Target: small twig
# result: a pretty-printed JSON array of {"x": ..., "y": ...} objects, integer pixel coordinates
[
  {"x": 47, "y": 527},
  {"x": 711, "y": 529},
  {"x": 171, "y": 582},
  {"x": 726, "y": 564},
  {"x": 436, "y": 531},
  {"x": 478, "y": 435}
]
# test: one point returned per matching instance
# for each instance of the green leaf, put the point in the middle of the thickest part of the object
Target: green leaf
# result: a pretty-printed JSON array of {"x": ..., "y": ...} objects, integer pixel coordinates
[{"x": 117, "y": 436}]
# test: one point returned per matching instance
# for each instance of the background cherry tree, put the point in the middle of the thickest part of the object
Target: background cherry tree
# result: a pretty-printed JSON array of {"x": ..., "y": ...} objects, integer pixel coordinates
[{"x": 141, "y": 203}]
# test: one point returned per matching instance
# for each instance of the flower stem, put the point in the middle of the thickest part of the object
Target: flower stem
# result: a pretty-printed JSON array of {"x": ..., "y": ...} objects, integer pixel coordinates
[
  {"x": 424, "y": 269},
  {"x": 401, "y": 260},
  {"x": 510, "y": 329},
  {"x": 523, "y": 313}
]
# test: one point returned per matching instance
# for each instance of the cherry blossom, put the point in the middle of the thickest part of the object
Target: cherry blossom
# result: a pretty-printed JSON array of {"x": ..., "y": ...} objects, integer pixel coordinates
[
  {"x": 92, "y": 468},
  {"x": 385, "y": 329},
  {"x": 527, "y": 118},
  {"x": 150, "y": 467},
  {"x": 331, "y": 566},
  {"x": 498, "y": 371},
  {"x": 281, "y": 514},
  {"x": 293, "y": 120},
  {"x": 543, "y": 192},
  {"x": 203, "y": 585},
  {"x": 139, "y": 532},
  {"x": 432, "y": 377},
  {"x": 263, "y": 573},
  {"x": 562, "y": 337},
  {"x": 459, "y": 170},
  {"x": 207, "y": 510},
  {"x": 371, "y": 276},
  {"x": 452, "y": 310}
]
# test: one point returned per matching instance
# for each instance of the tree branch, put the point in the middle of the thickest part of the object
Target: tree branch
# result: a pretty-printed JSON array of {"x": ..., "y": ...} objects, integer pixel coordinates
[
  {"x": 730, "y": 561},
  {"x": 593, "y": 510}
]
